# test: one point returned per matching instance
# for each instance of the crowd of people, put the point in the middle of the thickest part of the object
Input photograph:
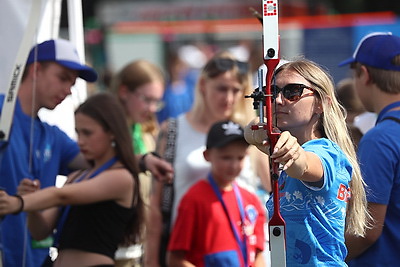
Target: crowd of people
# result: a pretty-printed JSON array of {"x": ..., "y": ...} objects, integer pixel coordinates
[{"x": 154, "y": 186}]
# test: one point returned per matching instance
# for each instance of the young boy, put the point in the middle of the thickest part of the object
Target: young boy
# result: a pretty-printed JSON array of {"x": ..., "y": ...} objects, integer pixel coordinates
[{"x": 219, "y": 223}]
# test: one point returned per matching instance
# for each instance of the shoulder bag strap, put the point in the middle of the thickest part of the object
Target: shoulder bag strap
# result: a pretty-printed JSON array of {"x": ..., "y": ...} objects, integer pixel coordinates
[
  {"x": 167, "y": 197},
  {"x": 169, "y": 155},
  {"x": 391, "y": 118}
]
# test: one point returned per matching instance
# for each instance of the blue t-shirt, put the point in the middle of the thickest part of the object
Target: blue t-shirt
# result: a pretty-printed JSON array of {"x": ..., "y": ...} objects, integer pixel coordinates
[
  {"x": 379, "y": 155},
  {"x": 52, "y": 151},
  {"x": 315, "y": 217}
]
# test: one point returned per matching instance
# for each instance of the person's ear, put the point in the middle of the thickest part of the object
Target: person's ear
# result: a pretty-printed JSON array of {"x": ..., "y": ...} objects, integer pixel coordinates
[
  {"x": 319, "y": 109},
  {"x": 111, "y": 136},
  {"x": 206, "y": 154},
  {"x": 365, "y": 77},
  {"x": 34, "y": 68},
  {"x": 123, "y": 92},
  {"x": 202, "y": 85}
]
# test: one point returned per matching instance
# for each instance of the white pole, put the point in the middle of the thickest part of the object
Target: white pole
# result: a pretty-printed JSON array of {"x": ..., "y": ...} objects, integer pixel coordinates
[
  {"x": 50, "y": 25},
  {"x": 76, "y": 36},
  {"x": 63, "y": 114}
]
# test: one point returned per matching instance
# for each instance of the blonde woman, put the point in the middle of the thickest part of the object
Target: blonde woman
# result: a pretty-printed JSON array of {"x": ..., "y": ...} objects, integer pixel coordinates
[
  {"x": 220, "y": 91},
  {"x": 321, "y": 186}
]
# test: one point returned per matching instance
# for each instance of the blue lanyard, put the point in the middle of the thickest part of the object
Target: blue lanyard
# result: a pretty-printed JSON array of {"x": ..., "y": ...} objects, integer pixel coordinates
[
  {"x": 103, "y": 167},
  {"x": 242, "y": 243},
  {"x": 65, "y": 210},
  {"x": 386, "y": 109}
]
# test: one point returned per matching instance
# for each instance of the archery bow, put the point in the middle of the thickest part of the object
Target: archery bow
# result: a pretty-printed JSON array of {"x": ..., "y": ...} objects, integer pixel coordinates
[
  {"x": 18, "y": 68},
  {"x": 15, "y": 80},
  {"x": 11, "y": 94},
  {"x": 277, "y": 231}
]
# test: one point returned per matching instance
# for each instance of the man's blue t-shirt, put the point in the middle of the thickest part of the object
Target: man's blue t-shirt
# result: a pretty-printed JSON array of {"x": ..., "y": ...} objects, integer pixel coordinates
[
  {"x": 315, "y": 216},
  {"x": 43, "y": 156},
  {"x": 379, "y": 155}
]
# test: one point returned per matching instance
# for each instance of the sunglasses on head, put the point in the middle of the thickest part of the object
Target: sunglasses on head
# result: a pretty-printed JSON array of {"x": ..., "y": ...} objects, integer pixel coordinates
[
  {"x": 220, "y": 65},
  {"x": 292, "y": 91}
]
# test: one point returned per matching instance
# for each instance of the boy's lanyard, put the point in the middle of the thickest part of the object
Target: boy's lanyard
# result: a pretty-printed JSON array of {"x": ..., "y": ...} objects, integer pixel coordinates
[
  {"x": 386, "y": 109},
  {"x": 65, "y": 210},
  {"x": 242, "y": 243}
]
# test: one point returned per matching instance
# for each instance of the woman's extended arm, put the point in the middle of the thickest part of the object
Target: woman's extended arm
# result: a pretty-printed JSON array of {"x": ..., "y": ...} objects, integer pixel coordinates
[
  {"x": 109, "y": 185},
  {"x": 297, "y": 162}
]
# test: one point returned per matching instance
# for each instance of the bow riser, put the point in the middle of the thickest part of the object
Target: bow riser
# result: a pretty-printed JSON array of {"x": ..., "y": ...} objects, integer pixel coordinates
[{"x": 277, "y": 227}]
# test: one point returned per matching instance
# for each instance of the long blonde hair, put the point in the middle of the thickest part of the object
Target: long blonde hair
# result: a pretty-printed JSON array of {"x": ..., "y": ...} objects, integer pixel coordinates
[
  {"x": 243, "y": 109},
  {"x": 332, "y": 125}
]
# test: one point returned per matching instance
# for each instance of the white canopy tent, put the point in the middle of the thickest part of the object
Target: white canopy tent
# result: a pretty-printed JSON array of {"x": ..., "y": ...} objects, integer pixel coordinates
[{"x": 14, "y": 16}]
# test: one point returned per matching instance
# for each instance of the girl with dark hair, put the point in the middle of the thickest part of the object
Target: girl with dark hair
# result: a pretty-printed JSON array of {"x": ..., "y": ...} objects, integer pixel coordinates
[{"x": 105, "y": 208}]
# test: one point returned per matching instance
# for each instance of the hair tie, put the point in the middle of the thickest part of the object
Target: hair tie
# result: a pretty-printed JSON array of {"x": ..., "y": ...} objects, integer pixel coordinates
[{"x": 21, "y": 208}]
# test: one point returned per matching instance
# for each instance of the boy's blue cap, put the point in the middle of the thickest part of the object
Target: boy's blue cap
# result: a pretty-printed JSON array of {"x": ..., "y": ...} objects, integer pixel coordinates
[
  {"x": 64, "y": 53},
  {"x": 224, "y": 132},
  {"x": 377, "y": 50}
]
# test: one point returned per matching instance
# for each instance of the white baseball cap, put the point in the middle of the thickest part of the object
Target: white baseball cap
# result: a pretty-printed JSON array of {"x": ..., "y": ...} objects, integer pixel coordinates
[{"x": 64, "y": 53}]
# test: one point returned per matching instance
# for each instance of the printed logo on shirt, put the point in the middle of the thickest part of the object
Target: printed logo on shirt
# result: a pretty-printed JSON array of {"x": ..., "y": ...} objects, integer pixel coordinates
[
  {"x": 302, "y": 253},
  {"x": 344, "y": 193},
  {"x": 250, "y": 220},
  {"x": 251, "y": 213},
  {"x": 46, "y": 153}
]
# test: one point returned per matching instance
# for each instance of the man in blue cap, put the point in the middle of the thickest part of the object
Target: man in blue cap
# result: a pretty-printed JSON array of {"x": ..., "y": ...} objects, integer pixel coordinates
[
  {"x": 35, "y": 149},
  {"x": 376, "y": 67}
]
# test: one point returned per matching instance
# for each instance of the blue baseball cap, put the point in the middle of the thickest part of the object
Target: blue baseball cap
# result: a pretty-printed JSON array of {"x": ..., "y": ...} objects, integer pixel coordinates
[
  {"x": 376, "y": 50},
  {"x": 64, "y": 53}
]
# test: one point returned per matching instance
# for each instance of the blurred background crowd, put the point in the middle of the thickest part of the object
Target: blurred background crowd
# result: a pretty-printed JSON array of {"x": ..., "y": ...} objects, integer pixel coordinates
[{"x": 117, "y": 32}]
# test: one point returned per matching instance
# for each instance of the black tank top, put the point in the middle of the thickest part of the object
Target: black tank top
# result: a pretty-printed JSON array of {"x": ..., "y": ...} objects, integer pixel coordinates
[{"x": 97, "y": 227}]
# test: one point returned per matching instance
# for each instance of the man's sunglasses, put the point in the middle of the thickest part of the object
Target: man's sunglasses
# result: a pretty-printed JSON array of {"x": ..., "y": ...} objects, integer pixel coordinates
[
  {"x": 292, "y": 91},
  {"x": 220, "y": 65}
]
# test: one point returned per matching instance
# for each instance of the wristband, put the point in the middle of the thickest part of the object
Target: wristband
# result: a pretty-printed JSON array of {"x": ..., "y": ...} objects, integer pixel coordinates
[
  {"x": 21, "y": 208},
  {"x": 142, "y": 164}
]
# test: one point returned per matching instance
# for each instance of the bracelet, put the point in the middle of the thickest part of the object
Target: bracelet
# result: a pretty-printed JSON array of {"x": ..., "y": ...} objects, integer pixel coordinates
[
  {"x": 142, "y": 164},
  {"x": 21, "y": 208}
]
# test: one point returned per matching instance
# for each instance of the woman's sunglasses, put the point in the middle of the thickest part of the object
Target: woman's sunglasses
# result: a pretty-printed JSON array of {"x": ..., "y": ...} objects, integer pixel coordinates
[
  {"x": 220, "y": 65},
  {"x": 292, "y": 91}
]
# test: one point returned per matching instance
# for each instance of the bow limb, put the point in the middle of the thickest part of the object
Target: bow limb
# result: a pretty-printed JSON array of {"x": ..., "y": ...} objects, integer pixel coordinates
[
  {"x": 11, "y": 94},
  {"x": 18, "y": 69},
  {"x": 277, "y": 226}
]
